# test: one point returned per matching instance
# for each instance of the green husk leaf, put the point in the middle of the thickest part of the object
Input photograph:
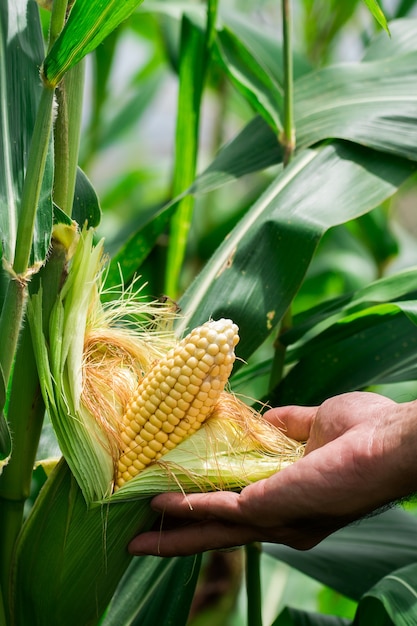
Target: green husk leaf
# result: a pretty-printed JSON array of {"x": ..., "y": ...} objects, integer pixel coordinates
[{"x": 60, "y": 367}]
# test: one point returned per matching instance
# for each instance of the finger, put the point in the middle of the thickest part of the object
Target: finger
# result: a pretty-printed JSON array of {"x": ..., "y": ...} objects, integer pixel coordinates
[
  {"x": 192, "y": 539},
  {"x": 295, "y": 421},
  {"x": 199, "y": 506}
]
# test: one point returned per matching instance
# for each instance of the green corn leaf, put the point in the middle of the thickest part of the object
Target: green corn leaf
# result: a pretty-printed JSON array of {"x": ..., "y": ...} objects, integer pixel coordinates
[
  {"x": 86, "y": 206},
  {"x": 402, "y": 40},
  {"x": 393, "y": 288},
  {"x": 264, "y": 45},
  {"x": 254, "y": 275},
  {"x": 334, "y": 361},
  {"x": 146, "y": 596},
  {"x": 88, "y": 24},
  {"x": 258, "y": 85},
  {"x": 354, "y": 101},
  {"x": 125, "y": 264},
  {"x": 255, "y": 148},
  {"x": 297, "y": 617},
  {"x": 192, "y": 71},
  {"x": 391, "y": 601},
  {"x": 384, "y": 542},
  {"x": 21, "y": 54},
  {"x": 320, "y": 335},
  {"x": 378, "y": 14},
  {"x": 363, "y": 102}
]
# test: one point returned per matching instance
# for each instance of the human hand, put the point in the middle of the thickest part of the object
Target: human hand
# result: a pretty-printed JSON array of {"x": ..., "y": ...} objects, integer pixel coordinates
[{"x": 360, "y": 455}]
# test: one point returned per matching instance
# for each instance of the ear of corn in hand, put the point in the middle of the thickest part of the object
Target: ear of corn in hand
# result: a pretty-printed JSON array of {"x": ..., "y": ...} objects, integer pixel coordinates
[{"x": 126, "y": 398}]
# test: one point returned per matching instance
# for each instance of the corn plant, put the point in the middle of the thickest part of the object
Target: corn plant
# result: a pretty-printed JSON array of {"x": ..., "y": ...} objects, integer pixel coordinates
[{"x": 85, "y": 345}]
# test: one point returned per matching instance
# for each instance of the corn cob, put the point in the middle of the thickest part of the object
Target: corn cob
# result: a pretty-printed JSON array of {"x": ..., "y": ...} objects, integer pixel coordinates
[{"x": 176, "y": 396}]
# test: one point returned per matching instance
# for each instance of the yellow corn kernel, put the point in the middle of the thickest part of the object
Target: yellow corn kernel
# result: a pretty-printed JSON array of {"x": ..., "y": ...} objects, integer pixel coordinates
[{"x": 176, "y": 395}]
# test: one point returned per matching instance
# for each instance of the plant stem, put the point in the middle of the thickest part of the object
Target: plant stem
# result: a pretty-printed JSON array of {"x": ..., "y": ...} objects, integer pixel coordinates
[
  {"x": 15, "y": 481},
  {"x": 253, "y": 584},
  {"x": 212, "y": 8},
  {"x": 59, "y": 13},
  {"x": 10, "y": 323},
  {"x": 69, "y": 95},
  {"x": 195, "y": 56},
  {"x": 280, "y": 349},
  {"x": 287, "y": 139},
  {"x": 288, "y": 133},
  {"x": 14, "y": 304},
  {"x": 33, "y": 181}
]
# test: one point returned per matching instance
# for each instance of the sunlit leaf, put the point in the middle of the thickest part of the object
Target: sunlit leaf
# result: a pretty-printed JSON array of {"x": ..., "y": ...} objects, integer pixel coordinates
[
  {"x": 256, "y": 272},
  {"x": 297, "y": 617},
  {"x": 88, "y": 24},
  {"x": 378, "y": 14},
  {"x": 263, "y": 42},
  {"x": 253, "y": 80},
  {"x": 372, "y": 104},
  {"x": 403, "y": 39}
]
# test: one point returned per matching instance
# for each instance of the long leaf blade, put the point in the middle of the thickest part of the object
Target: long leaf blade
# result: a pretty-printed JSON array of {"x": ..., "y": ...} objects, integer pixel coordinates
[
  {"x": 335, "y": 361},
  {"x": 391, "y": 601},
  {"x": 88, "y": 24},
  {"x": 21, "y": 54},
  {"x": 257, "y": 270},
  {"x": 145, "y": 595},
  {"x": 384, "y": 542},
  {"x": 356, "y": 101},
  {"x": 296, "y": 617},
  {"x": 370, "y": 103},
  {"x": 378, "y": 14}
]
